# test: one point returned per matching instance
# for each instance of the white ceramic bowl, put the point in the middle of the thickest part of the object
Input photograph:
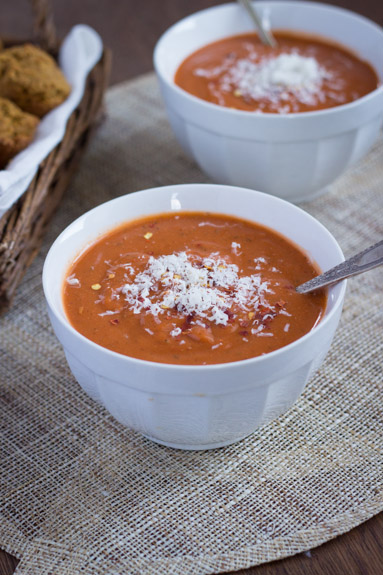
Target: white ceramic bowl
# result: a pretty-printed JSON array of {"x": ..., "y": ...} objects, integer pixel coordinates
[
  {"x": 194, "y": 407},
  {"x": 293, "y": 156}
]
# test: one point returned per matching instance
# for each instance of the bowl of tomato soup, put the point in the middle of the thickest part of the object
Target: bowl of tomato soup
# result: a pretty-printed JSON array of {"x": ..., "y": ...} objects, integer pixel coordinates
[
  {"x": 288, "y": 120},
  {"x": 177, "y": 310}
]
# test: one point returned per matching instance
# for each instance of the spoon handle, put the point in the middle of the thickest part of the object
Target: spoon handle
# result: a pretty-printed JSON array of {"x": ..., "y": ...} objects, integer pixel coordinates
[
  {"x": 265, "y": 36},
  {"x": 367, "y": 260}
]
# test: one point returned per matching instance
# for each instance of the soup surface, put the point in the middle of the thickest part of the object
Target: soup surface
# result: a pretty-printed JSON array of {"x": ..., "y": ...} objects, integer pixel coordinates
[
  {"x": 302, "y": 74},
  {"x": 191, "y": 288}
]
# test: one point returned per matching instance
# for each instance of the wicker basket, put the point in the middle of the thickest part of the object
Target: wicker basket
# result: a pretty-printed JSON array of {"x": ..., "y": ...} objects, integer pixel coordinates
[{"x": 23, "y": 226}]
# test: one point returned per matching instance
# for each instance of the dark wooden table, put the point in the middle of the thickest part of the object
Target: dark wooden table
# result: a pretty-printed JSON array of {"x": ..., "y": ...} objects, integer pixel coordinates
[{"x": 131, "y": 28}]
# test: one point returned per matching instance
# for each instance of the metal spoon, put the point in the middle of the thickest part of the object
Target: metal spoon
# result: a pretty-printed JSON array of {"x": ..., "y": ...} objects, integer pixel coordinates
[
  {"x": 265, "y": 35},
  {"x": 370, "y": 258}
]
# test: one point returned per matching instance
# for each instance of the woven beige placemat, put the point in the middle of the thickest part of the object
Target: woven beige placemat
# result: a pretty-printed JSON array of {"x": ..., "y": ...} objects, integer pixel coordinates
[{"x": 79, "y": 493}]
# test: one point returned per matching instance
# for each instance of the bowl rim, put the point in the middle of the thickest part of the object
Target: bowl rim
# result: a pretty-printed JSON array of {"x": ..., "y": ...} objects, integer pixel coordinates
[
  {"x": 271, "y": 116},
  {"x": 64, "y": 322}
]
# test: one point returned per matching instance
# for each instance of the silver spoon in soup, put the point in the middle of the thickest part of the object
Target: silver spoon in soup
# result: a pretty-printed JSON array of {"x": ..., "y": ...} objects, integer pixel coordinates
[
  {"x": 265, "y": 35},
  {"x": 368, "y": 259}
]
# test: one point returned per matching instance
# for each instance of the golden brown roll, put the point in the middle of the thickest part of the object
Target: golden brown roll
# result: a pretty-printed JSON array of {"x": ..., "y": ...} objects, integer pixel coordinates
[
  {"x": 31, "y": 78},
  {"x": 17, "y": 130}
]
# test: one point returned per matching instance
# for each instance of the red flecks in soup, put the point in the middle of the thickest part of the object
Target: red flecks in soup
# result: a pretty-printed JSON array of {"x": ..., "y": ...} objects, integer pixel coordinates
[{"x": 192, "y": 288}]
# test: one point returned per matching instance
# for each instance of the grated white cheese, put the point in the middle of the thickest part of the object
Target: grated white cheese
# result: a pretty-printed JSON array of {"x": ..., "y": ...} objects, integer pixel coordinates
[
  {"x": 217, "y": 345},
  {"x": 213, "y": 225},
  {"x": 257, "y": 330},
  {"x": 271, "y": 78},
  {"x": 108, "y": 312},
  {"x": 284, "y": 312},
  {"x": 183, "y": 283},
  {"x": 235, "y": 247},
  {"x": 176, "y": 331},
  {"x": 73, "y": 281}
]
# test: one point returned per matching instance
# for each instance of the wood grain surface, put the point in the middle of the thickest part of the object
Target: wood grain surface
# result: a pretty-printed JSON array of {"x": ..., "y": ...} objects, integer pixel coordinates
[{"x": 131, "y": 28}]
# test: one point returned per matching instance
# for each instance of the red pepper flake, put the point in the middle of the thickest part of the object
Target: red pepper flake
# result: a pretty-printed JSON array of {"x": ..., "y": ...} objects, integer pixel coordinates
[
  {"x": 281, "y": 303},
  {"x": 266, "y": 321},
  {"x": 244, "y": 333},
  {"x": 114, "y": 321},
  {"x": 265, "y": 310},
  {"x": 230, "y": 315},
  {"x": 187, "y": 321}
]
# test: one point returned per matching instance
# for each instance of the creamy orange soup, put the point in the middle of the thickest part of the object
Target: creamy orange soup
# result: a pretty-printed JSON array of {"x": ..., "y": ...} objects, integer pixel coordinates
[
  {"x": 302, "y": 74},
  {"x": 191, "y": 288}
]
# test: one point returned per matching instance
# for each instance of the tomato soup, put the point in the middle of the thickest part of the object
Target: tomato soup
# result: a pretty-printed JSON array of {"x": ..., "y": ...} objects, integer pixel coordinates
[
  {"x": 191, "y": 288},
  {"x": 302, "y": 74}
]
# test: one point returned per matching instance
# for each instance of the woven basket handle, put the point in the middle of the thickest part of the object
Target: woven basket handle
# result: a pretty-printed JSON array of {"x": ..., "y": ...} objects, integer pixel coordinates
[{"x": 44, "y": 28}]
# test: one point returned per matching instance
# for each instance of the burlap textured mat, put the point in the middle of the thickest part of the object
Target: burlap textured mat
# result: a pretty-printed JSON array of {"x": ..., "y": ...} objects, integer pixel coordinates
[{"x": 81, "y": 494}]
